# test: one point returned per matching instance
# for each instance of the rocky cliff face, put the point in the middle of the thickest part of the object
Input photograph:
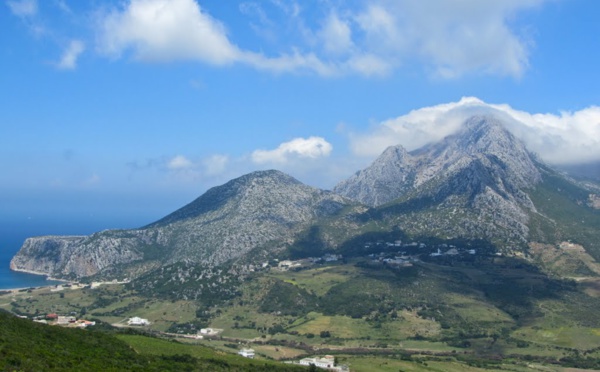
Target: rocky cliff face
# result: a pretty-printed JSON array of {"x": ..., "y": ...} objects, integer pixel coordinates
[
  {"x": 78, "y": 256},
  {"x": 255, "y": 210},
  {"x": 472, "y": 184},
  {"x": 390, "y": 176},
  {"x": 248, "y": 212},
  {"x": 482, "y": 151}
]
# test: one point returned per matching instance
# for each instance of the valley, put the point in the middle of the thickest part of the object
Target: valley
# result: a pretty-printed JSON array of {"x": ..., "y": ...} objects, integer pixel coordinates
[{"x": 468, "y": 310}]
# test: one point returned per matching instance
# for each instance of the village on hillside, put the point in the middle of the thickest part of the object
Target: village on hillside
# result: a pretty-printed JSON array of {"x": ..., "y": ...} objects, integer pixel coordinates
[{"x": 393, "y": 254}]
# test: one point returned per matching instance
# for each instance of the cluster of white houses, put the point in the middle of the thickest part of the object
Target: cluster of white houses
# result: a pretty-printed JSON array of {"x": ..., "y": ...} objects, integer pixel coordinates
[
  {"x": 289, "y": 264},
  {"x": 442, "y": 250},
  {"x": 63, "y": 320}
]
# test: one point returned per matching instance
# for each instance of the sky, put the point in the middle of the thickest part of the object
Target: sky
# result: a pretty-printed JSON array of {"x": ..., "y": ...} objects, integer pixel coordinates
[{"x": 115, "y": 113}]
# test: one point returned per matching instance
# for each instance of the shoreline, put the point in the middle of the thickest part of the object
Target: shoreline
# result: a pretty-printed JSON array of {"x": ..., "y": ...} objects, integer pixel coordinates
[
  {"x": 32, "y": 272},
  {"x": 17, "y": 290},
  {"x": 37, "y": 286}
]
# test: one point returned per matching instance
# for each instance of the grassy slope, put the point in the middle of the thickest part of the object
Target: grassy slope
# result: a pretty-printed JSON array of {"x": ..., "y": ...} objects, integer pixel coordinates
[
  {"x": 489, "y": 306},
  {"x": 27, "y": 346},
  {"x": 158, "y": 347}
]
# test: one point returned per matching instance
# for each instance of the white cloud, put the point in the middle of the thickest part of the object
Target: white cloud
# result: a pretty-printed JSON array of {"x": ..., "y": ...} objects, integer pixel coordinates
[
  {"x": 69, "y": 58},
  {"x": 166, "y": 30},
  {"x": 449, "y": 38},
  {"x": 381, "y": 27},
  {"x": 215, "y": 164},
  {"x": 570, "y": 137},
  {"x": 290, "y": 63},
  {"x": 369, "y": 65},
  {"x": 253, "y": 9},
  {"x": 172, "y": 30},
  {"x": 28, "y": 11},
  {"x": 311, "y": 148},
  {"x": 23, "y": 8},
  {"x": 336, "y": 35},
  {"x": 179, "y": 162}
]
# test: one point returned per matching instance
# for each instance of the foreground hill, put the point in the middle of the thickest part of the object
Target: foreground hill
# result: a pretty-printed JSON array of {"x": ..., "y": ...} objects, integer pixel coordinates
[{"x": 28, "y": 346}]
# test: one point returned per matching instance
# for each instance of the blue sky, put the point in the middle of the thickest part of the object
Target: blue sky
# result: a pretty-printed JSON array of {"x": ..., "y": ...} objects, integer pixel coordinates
[{"x": 118, "y": 112}]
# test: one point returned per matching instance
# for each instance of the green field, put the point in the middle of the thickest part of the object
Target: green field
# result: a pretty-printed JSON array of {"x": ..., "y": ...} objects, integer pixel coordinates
[
  {"x": 451, "y": 316},
  {"x": 319, "y": 280}
]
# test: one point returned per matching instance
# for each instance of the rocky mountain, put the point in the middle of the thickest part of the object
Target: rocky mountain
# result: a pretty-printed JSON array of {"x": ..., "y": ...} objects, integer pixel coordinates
[
  {"x": 473, "y": 184},
  {"x": 482, "y": 145},
  {"x": 261, "y": 209},
  {"x": 479, "y": 184}
]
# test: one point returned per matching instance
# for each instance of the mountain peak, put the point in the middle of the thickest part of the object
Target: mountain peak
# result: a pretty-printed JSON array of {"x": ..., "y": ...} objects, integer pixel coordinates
[
  {"x": 390, "y": 174},
  {"x": 483, "y": 133},
  {"x": 241, "y": 187},
  {"x": 482, "y": 138},
  {"x": 272, "y": 174}
]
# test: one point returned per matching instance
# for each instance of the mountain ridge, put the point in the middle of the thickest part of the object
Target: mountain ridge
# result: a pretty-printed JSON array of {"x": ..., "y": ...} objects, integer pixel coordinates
[
  {"x": 264, "y": 207},
  {"x": 481, "y": 135},
  {"x": 474, "y": 184}
]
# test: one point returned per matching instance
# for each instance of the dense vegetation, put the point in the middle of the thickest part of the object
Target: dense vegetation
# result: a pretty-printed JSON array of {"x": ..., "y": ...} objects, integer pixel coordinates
[
  {"x": 28, "y": 346},
  {"x": 185, "y": 280}
]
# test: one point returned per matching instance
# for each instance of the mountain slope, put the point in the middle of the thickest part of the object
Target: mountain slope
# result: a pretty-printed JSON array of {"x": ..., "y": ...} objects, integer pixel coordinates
[
  {"x": 474, "y": 184},
  {"x": 29, "y": 346},
  {"x": 481, "y": 143},
  {"x": 259, "y": 209},
  {"x": 243, "y": 214},
  {"x": 479, "y": 184}
]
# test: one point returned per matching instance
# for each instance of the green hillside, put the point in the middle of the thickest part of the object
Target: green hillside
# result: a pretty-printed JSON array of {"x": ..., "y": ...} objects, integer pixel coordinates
[{"x": 28, "y": 346}]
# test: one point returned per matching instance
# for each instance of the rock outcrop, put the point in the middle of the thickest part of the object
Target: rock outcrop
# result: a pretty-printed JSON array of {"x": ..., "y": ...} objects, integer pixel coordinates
[{"x": 472, "y": 184}]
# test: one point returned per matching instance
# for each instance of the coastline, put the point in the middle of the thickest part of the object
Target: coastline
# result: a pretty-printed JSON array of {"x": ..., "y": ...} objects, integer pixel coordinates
[
  {"x": 17, "y": 290},
  {"x": 38, "y": 285},
  {"x": 32, "y": 272}
]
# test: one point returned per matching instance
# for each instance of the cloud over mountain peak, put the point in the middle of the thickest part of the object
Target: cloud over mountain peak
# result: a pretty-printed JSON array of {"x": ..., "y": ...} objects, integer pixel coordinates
[{"x": 564, "y": 138}]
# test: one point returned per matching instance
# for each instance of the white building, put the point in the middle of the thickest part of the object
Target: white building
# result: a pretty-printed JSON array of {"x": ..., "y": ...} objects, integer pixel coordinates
[
  {"x": 332, "y": 257},
  {"x": 210, "y": 331},
  {"x": 327, "y": 361},
  {"x": 247, "y": 353},
  {"x": 137, "y": 321},
  {"x": 452, "y": 252},
  {"x": 435, "y": 254},
  {"x": 65, "y": 320}
]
